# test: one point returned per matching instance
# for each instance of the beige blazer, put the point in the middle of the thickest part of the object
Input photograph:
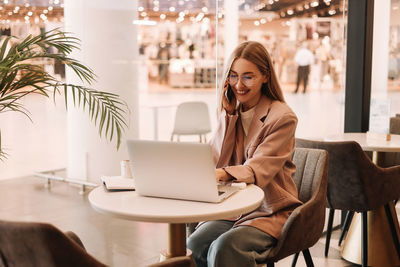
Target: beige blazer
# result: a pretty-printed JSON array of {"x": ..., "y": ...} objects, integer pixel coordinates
[{"x": 263, "y": 158}]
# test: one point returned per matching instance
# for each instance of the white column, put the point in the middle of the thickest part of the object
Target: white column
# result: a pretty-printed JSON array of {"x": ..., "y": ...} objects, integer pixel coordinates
[
  {"x": 231, "y": 27},
  {"x": 380, "y": 50},
  {"x": 109, "y": 47}
]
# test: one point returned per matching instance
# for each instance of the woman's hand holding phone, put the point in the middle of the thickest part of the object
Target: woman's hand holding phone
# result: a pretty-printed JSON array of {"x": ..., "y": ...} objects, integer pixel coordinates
[{"x": 229, "y": 99}]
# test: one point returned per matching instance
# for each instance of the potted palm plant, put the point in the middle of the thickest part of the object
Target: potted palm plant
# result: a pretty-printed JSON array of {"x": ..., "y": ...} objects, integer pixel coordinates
[{"x": 20, "y": 76}]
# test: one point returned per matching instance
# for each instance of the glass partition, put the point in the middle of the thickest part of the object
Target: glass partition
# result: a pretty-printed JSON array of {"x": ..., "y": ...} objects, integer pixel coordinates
[
  {"x": 177, "y": 41},
  {"x": 394, "y": 57},
  {"x": 286, "y": 27}
]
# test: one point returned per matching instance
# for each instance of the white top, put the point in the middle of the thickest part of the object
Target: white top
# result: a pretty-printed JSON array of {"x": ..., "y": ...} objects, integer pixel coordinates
[
  {"x": 369, "y": 143},
  {"x": 129, "y": 205},
  {"x": 304, "y": 57},
  {"x": 246, "y": 117}
]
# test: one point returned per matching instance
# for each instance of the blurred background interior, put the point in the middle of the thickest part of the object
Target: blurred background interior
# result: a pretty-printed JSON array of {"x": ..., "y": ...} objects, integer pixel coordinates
[{"x": 159, "y": 53}]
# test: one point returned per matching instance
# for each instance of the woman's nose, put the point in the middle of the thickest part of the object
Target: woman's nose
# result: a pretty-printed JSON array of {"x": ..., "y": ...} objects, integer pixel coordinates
[{"x": 239, "y": 84}]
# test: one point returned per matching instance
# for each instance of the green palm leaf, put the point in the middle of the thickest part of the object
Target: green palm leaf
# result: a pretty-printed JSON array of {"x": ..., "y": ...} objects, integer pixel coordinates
[{"x": 19, "y": 76}]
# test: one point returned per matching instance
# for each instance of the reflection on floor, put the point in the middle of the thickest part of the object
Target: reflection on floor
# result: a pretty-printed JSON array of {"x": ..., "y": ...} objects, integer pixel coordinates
[{"x": 116, "y": 242}]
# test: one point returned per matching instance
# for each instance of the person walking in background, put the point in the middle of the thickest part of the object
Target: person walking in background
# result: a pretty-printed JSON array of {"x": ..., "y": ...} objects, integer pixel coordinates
[{"x": 303, "y": 58}]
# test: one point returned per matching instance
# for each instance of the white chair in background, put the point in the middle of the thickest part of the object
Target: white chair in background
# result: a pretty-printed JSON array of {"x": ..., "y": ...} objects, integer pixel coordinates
[{"x": 192, "y": 118}]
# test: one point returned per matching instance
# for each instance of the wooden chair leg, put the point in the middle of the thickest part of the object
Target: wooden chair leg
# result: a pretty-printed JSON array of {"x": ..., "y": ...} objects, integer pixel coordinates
[
  {"x": 393, "y": 229},
  {"x": 308, "y": 259},
  {"x": 364, "y": 240},
  {"x": 329, "y": 231},
  {"x": 295, "y": 257},
  {"x": 346, "y": 225}
]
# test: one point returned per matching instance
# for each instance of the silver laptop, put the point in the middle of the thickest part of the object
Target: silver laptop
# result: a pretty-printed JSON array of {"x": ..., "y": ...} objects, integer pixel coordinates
[{"x": 176, "y": 170}]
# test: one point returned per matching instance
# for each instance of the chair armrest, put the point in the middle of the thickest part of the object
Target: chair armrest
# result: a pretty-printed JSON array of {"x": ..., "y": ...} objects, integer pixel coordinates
[
  {"x": 384, "y": 186},
  {"x": 302, "y": 229}
]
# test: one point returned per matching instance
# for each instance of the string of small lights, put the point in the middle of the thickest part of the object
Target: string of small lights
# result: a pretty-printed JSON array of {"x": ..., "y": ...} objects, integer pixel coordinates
[{"x": 30, "y": 11}]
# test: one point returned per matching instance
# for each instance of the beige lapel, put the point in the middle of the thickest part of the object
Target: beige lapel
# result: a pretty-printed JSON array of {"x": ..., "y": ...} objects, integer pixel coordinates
[{"x": 262, "y": 109}]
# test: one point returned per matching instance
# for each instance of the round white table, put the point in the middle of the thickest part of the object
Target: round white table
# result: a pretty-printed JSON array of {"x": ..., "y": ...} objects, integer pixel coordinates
[
  {"x": 381, "y": 251},
  {"x": 131, "y": 206}
]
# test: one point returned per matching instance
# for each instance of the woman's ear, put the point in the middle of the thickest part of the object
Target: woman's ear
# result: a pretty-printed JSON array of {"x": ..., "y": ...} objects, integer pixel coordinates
[{"x": 266, "y": 77}]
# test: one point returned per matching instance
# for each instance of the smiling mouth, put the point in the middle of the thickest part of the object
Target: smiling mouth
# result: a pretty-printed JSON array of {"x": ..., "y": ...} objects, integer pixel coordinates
[{"x": 242, "y": 92}]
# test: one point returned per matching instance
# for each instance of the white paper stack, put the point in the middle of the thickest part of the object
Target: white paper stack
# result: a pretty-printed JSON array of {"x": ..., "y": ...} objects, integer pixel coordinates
[{"x": 117, "y": 183}]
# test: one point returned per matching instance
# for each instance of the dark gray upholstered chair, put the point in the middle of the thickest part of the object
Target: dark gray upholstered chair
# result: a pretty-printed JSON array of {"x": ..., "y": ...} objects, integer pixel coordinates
[
  {"x": 41, "y": 244},
  {"x": 304, "y": 226},
  {"x": 355, "y": 183},
  {"x": 390, "y": 159}
]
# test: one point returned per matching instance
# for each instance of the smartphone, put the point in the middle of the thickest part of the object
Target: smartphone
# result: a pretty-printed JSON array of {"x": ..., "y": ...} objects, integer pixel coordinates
[{"x": 229, "y": 93}]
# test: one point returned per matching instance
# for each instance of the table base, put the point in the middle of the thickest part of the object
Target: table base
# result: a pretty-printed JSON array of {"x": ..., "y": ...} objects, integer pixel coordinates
[{"x": 381, "y": 249}]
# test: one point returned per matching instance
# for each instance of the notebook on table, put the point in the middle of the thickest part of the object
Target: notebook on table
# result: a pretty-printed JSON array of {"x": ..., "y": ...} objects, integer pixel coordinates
[{"x": 176, "y": 170}]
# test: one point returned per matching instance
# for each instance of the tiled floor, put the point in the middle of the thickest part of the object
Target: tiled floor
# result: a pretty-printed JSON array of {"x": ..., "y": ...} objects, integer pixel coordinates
[
  {"x": 116, "y": 242},
  {"x": 42, "y": 146}
]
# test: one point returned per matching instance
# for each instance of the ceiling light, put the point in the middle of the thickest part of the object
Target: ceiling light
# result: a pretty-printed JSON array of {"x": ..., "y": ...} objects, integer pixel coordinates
[
  {"x": 156, "y": 9},
  {"x": 332, "y": 12},
  {"x": 163, "y": 16},
  {"x": 314, "y": 4},
  {"x": 204, "y": 9},
  {"x": 50, "y": 8},
  {"x": 290, "y": 12},
  {"x": 200, "y": 16},
  {"x": 171, "y": 8},
  {"x": 56, "y": 2},
  {"x": 306, "y": 6},
  {"x": 263, "y": 21},
  {"x": 140, "y": 9},
  {"x": 257, "y": 23}
]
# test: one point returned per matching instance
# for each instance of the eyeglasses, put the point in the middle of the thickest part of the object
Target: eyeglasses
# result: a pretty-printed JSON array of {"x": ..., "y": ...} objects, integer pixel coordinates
[{"x": 247, "y": 80}]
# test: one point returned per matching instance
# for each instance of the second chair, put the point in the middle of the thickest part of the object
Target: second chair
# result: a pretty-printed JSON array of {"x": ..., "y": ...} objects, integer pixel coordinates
[
  {"x": 192, "y": 118},
  {"x": 355, "y": 183}
]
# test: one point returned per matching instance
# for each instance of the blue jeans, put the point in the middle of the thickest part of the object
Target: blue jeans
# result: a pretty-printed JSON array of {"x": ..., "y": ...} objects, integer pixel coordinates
[{"x": 216, "y": 243}]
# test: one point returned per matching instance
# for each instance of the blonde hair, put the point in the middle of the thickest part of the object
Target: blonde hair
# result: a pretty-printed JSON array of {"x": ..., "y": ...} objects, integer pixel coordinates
[{"x": 258, "y": 55}]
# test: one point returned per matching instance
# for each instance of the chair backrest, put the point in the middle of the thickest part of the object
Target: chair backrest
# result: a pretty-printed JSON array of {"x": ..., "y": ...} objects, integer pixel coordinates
[
  {"x": 395, "y": 124},
  {"x": 351, "y": 173},
  {"x": 390, "y": 159},
  {"x": 192, "y": 118},
  {"x": 40, "y": 244},
  {"x": 305, "y": 224}
]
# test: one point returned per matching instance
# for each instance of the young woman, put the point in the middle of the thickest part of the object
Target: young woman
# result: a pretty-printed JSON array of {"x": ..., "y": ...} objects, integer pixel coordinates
[{"x": 253, "y": 144}]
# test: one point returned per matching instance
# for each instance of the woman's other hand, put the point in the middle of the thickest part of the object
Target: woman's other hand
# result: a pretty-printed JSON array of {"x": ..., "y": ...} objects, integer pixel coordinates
[
  {"x": 229, "y": 106},
  {"x": 222, "y": 175}
]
